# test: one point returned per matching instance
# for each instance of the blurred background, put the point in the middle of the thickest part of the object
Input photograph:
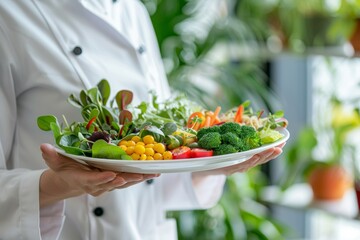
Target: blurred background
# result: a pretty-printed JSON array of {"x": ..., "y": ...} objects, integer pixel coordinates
[{"x": 300, "y": 56}]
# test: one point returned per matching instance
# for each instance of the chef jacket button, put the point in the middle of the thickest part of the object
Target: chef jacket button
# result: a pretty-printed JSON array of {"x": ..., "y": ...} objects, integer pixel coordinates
[
  {"x": 150, "y": 181},
  {"x": 77, "y": 50},
  {"x": 99, "y": 211},
  {"x": 141, "y": 49}
]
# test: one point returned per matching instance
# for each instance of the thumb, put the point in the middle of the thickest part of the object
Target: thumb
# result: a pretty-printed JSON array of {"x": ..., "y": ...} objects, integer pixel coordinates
[{"x": 51, "y": 157}]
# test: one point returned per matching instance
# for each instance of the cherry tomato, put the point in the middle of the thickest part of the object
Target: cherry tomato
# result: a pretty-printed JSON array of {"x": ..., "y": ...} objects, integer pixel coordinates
[
  {"x": 181, "y": 152},
  {"x": 199, "y": 152}
]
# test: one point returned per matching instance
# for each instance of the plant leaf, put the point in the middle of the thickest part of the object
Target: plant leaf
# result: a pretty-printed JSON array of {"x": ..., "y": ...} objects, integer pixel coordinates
[
  {"x": 153, "y": 131},
  {"x": 102, "y": 149},
  {"x": 125, "y": 116},
  {"x": 94, "y": 95},
  {"x": 83, "y": 97},
  {"x": 94, "y": 113},
  {"x": 109, "y": 115},
  {"x": 123, "y": 98},
  {"x": 67, "y": 143},
  {"x": 169, "y": 128},
  {"x": 55, "y": 128},
  {"x": 73, "y": 100},
  {"x": 44, "y": 122},
  {"x": 104, "y": 88},
  {"x": 86, "y": 111}
]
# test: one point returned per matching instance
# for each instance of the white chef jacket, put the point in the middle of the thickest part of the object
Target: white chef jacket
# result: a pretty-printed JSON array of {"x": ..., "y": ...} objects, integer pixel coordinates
[{"x": 48, "y": 50}]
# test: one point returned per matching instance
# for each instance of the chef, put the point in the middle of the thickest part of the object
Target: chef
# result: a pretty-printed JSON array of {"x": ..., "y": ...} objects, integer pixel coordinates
[{"x": 48, "y": 50}]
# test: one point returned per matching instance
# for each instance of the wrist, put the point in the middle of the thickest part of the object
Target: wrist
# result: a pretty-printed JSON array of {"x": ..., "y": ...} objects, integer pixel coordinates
[{"x": 52, "y": 188}]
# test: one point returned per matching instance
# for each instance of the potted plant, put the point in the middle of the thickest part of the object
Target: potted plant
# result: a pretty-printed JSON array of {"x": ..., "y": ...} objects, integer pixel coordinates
[
  {"x": 327, "y": 177},
  {"x": 350, "y": 26}
]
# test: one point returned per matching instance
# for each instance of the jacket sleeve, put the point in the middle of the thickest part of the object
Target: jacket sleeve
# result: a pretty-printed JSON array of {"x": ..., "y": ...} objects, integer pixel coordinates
[{"x": 21, "y": 216}]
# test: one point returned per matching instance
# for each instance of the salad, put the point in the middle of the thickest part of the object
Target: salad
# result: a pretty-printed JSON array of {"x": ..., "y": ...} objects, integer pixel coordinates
[{"x": 175, "y": 129}]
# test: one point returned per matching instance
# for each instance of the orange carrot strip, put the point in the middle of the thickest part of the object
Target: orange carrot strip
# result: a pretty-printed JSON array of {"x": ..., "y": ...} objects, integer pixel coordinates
[
  {"x": 216, "y": 113},
  {"x": 207, "y": 121},
  {"x": 217, "y": 120},
  {"x": 196, "y": 126},
  {"x": 239, "y": 113}
]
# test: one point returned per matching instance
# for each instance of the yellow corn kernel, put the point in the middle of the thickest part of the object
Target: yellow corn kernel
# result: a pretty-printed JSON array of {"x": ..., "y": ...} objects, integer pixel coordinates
[
  {"x": 122, "y": 142},
  {"x": 159, "y": 147},
  {"x": 139, "y": 149},
  {"x": 136, "y": 139},
  {"x": 151, "y": 145},
  {"x": 167, "y": 155},
  {"x": 148, "y": 139},
  {"x": 123, "y": 147},
  {"x": 131, "y": 143},
  {"x": 149, "y": 151},
  {"x": 158, "y": 156},
  {"x": 129, "y": 150},
  {"x": 135, "y": 156}
]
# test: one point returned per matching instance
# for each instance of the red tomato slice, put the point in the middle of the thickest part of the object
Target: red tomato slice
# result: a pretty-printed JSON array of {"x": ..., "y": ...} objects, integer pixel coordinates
[
  {"x": 199, "y": 152},
  {"x": 181, "y": 152}
]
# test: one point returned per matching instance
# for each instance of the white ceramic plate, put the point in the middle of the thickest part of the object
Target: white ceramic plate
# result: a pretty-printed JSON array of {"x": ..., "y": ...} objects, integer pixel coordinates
[{"x": 172, "y": 166}]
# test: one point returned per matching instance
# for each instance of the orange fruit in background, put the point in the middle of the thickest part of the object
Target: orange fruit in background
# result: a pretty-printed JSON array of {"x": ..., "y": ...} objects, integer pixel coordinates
[{"x": 329, "y": 182}]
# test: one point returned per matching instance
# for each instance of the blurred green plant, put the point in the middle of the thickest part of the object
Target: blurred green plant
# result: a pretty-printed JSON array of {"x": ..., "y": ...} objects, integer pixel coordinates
[
  {"x": 238, "y": 215},
  {"x": 300, "y": 157},
  {"x": 349, "y": 11},
  {"x": 210, "y": 54},
  {"x": 310, "y": 23},
  {"x": 204, "y": 46}
]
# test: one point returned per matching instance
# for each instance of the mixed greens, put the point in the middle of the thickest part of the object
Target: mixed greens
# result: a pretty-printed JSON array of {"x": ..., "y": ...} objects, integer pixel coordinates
[{"x": 177, "y": 128}]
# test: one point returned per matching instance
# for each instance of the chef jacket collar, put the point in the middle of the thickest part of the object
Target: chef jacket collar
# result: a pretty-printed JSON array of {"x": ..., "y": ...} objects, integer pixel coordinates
[
  {"x": 104, "y": 7},
  {"x": 93, "y": 11},
  {"x": 94, "y": 7}
]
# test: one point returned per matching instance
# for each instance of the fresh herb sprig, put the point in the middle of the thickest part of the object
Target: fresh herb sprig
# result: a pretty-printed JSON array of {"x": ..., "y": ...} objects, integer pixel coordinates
[{"x": 175, "y": 110}]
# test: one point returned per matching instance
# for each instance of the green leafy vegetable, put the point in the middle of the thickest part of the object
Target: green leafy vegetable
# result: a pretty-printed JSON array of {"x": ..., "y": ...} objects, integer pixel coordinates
[
  {"x": 158, "y": 135},
  {"x": 44, "y": 122},
  {"x": 102, "y": 149}
]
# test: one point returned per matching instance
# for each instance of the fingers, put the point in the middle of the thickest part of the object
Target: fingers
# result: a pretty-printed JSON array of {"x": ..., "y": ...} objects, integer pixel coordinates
[
  {"x": 281, "y": 145},
  {"x": 123, "y": 180},
  {"x": 270, "y": 154},
  {"x": 90, "y": 178},
  {"x": 256, "y": 160}
]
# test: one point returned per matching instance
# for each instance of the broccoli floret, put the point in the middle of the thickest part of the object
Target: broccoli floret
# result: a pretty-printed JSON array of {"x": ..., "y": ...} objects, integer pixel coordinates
[
  {"x": 206, "y": 130},
  {"x": 232, "y": 139},
  {"x": 210, "y": 140},
  {"x": 254, "y": 141},
  {"x": 230, "y": 127},
  {"x": 224, "y": 149},
  {"x": 246, "y": 131},
  {"x": 250, "y": 138}
]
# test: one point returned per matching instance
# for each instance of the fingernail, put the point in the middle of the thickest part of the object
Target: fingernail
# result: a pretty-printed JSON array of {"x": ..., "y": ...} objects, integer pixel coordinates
[
  {"x": 110, "y": 178},
  {"x": 268, "y": 154}
]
